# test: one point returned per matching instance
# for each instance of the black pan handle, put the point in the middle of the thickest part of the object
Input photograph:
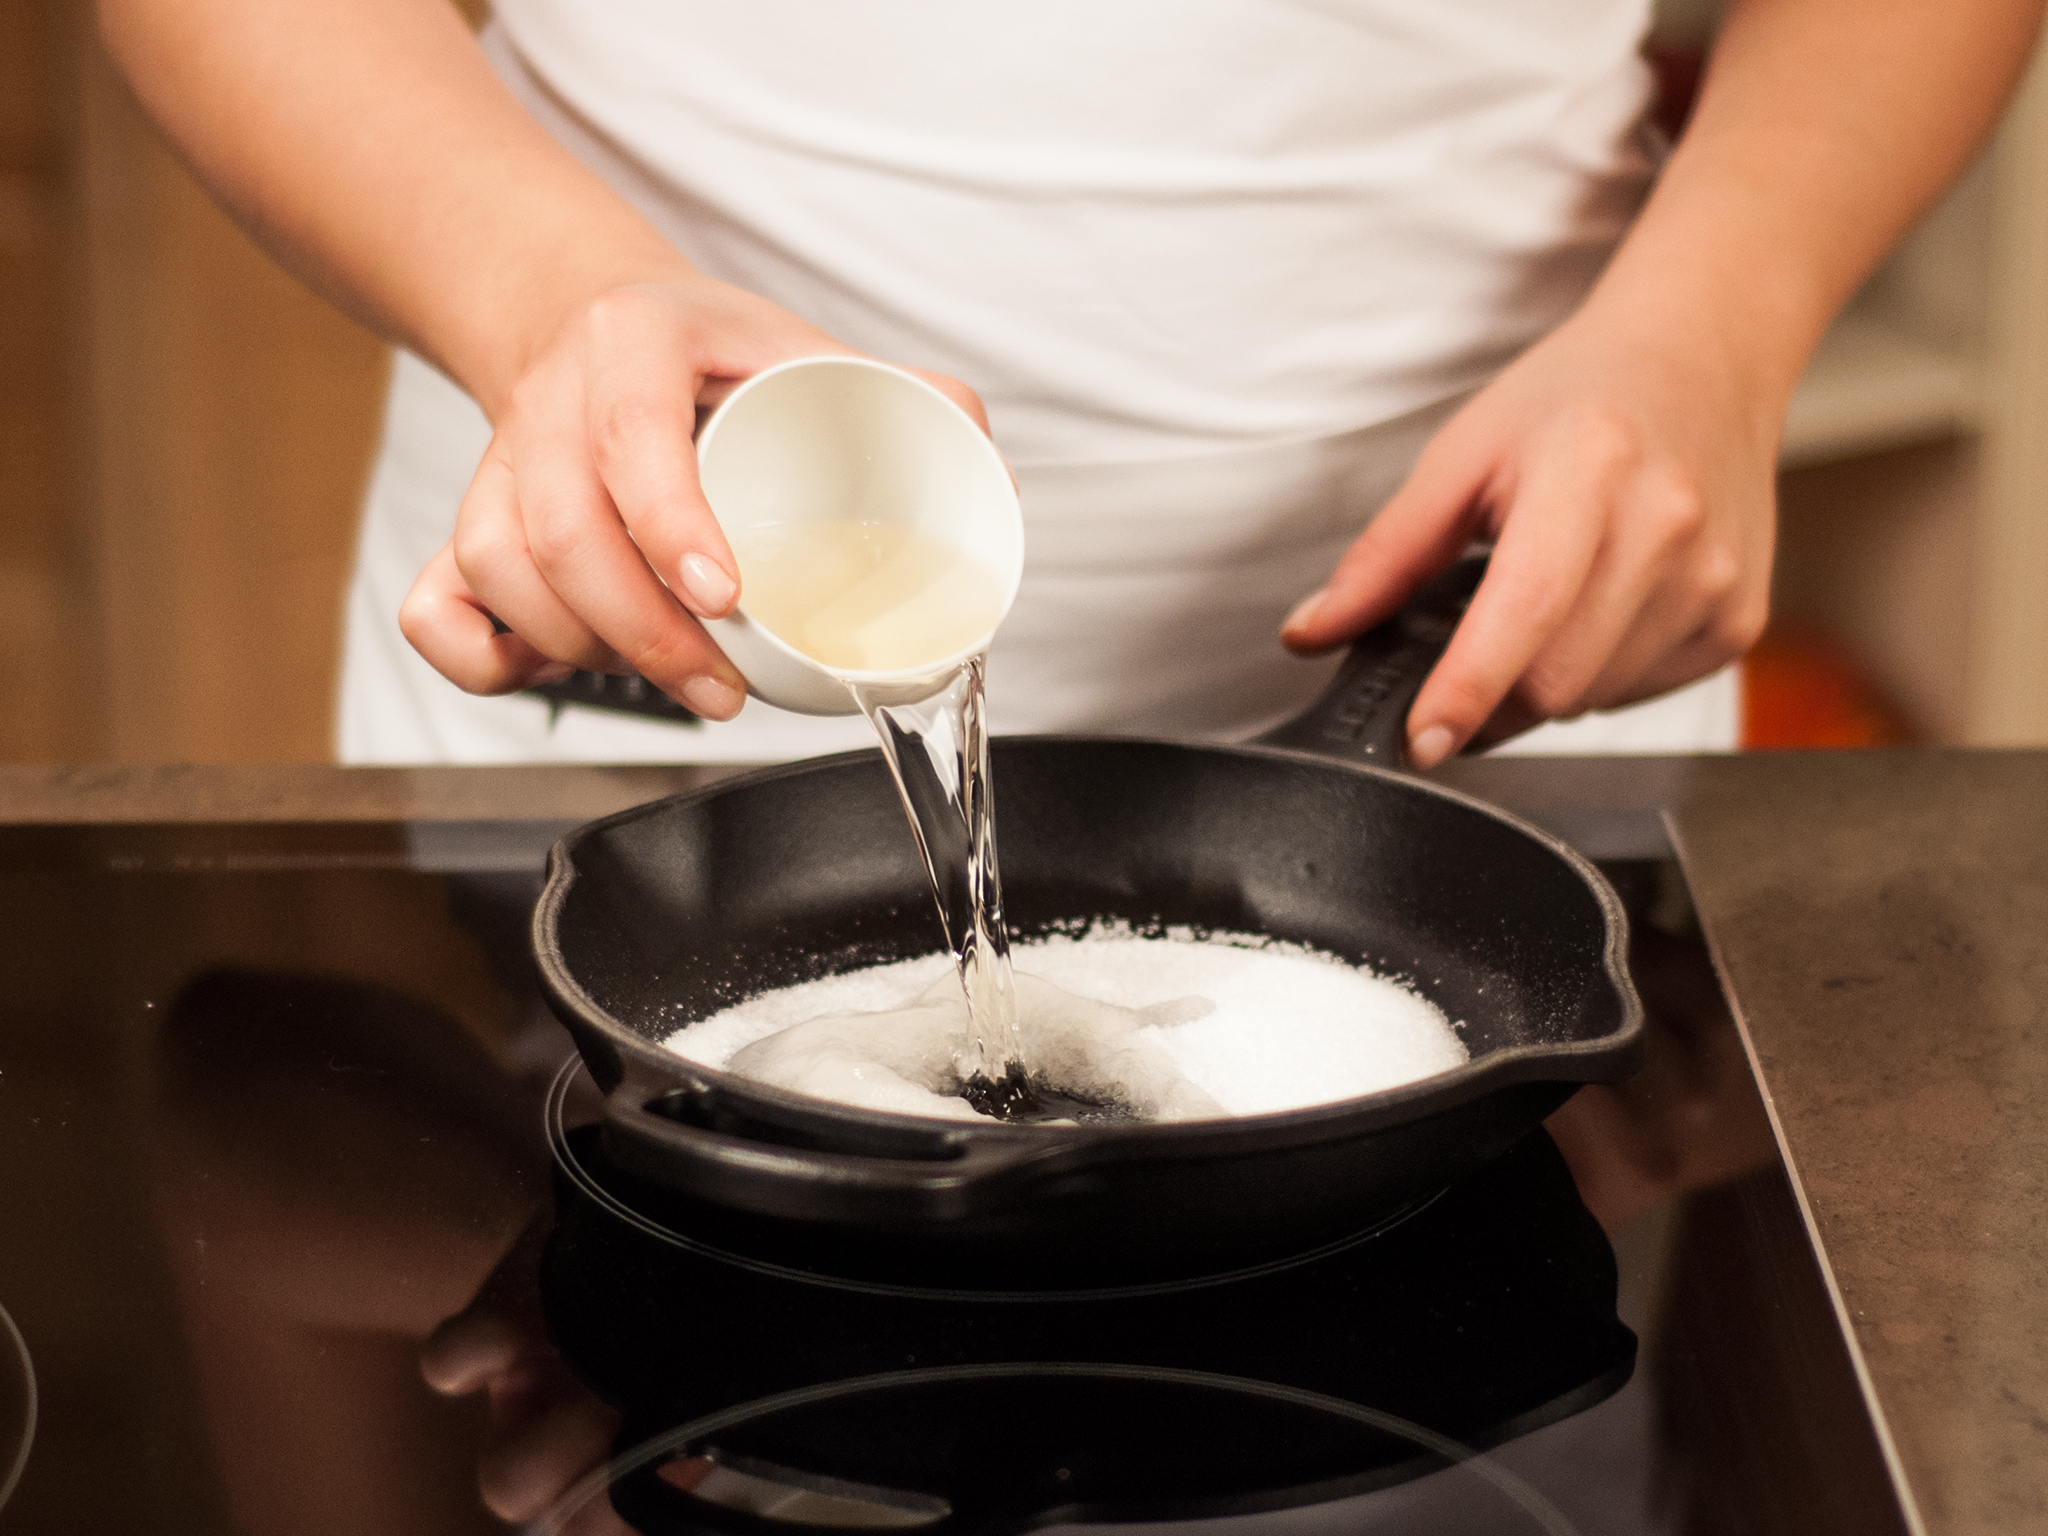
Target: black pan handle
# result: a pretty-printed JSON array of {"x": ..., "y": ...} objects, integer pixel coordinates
[
  {"x": 959, "y": 1175},
  {"x": 1363, "y": 714}
]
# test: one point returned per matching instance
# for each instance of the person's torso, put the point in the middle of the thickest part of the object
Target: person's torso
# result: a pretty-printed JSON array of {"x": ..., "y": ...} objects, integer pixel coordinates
[
  {"x": 1216, "y": 267},
  {"x": 1140, "y": 229}
]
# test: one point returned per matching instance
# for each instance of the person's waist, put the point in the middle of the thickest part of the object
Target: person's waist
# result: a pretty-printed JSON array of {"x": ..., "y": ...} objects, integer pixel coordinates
[{"x": 1242, "y": 502}]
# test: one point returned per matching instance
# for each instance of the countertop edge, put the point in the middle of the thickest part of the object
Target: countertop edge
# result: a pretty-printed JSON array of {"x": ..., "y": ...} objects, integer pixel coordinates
[{"x": 1866, "y": 1382}]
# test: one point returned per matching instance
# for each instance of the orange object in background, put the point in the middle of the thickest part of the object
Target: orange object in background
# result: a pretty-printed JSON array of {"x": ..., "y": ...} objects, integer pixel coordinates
[{"x": 1802, "y": 688}]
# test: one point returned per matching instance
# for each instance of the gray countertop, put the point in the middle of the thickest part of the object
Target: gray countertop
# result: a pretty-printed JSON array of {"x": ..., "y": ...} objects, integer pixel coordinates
[
  {"x": 1880, "y": 919},
  {"x": 1881, "y": 923}
]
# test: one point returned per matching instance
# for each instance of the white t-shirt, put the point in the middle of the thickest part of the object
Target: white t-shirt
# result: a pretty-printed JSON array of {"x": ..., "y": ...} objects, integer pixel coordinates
[{"x": 1215, "y": 266}]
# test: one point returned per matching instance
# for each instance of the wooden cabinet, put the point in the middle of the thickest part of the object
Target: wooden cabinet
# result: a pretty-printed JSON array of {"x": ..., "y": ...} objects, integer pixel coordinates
[
  {"x": 45, "y": 638},
  {"x": 232, "y": 417},
  {"x": 186, "y": 435}
]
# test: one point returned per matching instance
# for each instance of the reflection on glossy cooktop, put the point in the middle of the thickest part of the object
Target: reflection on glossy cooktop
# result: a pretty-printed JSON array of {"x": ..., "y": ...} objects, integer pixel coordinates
[
  {"x": 289, "y": 1252},
  {"x": 1476, "y": 1317}
]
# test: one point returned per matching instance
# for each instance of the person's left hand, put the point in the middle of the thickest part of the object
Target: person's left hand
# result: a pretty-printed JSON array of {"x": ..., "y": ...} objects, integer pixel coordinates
[{"x": 1624, "y": 472}]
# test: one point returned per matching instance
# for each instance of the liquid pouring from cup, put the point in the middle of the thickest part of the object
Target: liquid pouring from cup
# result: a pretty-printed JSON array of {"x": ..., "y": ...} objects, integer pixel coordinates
[{"x": 880, "y": 544}]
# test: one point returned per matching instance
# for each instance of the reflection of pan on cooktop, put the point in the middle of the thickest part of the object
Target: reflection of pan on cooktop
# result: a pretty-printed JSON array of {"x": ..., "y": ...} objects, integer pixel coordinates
[
  {"x": 671, "y": 911},
  {"x": 993, "y": 1450},
  {"x": 1481, "y": 1315}
]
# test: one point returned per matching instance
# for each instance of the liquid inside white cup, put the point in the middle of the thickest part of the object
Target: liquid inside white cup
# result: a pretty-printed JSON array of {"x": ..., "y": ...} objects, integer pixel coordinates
[
  {"x": 806, "y": 450},
  {"x": 866, "y": 596}
]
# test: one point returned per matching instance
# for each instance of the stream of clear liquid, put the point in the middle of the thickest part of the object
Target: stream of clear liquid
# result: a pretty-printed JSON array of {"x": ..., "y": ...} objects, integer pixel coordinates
[{"x": 937, "y": 750}]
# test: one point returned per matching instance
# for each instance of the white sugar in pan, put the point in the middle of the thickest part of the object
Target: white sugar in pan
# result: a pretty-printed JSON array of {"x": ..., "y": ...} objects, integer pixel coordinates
[{"x": 1174, "y": 1027}]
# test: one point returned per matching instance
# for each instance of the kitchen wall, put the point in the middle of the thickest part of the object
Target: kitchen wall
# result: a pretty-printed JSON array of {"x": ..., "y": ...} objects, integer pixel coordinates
[{"x": 187, "y": 432}]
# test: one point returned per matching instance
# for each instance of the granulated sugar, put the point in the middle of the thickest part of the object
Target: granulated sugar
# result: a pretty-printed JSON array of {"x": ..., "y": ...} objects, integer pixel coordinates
[{"x": 1177, "y": 1027}]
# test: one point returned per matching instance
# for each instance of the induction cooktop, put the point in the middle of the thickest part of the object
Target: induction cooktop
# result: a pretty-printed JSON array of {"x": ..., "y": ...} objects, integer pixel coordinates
[{"x": 279, "y": 1103}]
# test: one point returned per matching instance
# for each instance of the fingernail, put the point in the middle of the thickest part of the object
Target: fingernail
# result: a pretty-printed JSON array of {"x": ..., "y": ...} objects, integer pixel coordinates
[
  {"x": 708, "y": 586},
  {"x": 1430, "y": 747},
  {"x": 1304, "y": 610},
  {"x": 555, "y": 672},
  {"x": 712, "y": 697}
]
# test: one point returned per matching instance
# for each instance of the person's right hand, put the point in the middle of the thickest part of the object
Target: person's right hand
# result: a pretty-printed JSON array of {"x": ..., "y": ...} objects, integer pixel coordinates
[
  {"x": 584, "y": 532},
  {"x": 544, "y": 1433}
]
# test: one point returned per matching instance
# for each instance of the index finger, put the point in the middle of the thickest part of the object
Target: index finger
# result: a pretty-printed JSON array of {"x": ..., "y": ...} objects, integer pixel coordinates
[
  {"x": 1540, "y": 566},
  {"x": 642, "y": 414},
  {"x": 1420, "y": 530},
  {"x": 649, "y": 374}
]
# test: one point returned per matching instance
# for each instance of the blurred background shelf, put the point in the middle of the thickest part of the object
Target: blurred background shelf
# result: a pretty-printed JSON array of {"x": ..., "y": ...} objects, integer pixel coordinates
[
  {"x": 1873, "y": 386},
  {"x": 1913, "y": 487},
  {"x": 1914, "y": 496}
]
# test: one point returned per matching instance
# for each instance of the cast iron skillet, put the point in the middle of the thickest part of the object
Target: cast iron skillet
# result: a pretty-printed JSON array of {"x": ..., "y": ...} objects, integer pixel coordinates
[{"x": 667, "y": 912}]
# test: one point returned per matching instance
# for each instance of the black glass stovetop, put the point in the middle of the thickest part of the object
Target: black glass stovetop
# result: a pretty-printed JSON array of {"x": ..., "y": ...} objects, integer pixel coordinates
[{"x": 285, "y": 1133}]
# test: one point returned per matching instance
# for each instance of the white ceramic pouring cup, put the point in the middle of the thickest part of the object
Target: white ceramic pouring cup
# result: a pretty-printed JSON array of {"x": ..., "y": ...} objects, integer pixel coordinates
[{"x": 845, "y": 439}]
